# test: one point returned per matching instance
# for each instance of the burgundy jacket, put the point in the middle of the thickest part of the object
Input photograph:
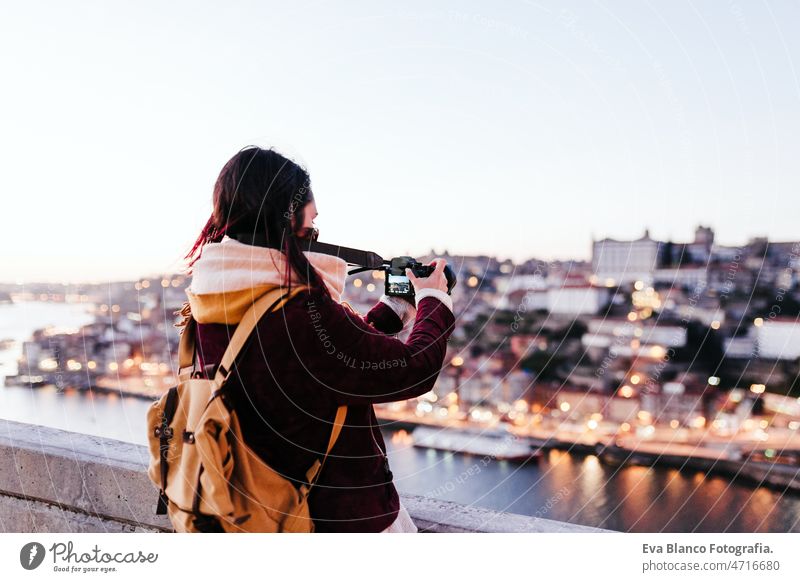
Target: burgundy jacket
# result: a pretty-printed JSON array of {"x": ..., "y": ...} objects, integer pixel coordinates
[{"x": 305, "y": 360}]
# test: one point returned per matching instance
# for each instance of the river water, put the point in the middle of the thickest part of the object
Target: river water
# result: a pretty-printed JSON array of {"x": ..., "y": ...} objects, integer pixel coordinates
[{"x": 561, "y": 486}]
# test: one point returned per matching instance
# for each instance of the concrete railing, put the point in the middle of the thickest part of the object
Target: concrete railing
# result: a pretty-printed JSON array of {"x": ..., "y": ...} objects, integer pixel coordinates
[{"x": 57, "y": 481}]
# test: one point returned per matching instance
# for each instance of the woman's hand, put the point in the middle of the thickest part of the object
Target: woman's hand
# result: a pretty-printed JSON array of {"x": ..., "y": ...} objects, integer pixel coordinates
[{"x": 435, "y": 280}]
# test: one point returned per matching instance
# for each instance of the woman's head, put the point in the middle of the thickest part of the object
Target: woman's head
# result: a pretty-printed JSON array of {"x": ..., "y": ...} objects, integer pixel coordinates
[{"x": 259, "y": 191}]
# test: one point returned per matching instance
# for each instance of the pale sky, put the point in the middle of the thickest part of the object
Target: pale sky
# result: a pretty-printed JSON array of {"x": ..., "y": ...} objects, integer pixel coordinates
[{"x": 515, "y": 129}]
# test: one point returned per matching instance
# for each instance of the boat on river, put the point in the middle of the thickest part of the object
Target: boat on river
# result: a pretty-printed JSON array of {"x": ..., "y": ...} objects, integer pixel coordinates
[{"x": 496, "y": 443}]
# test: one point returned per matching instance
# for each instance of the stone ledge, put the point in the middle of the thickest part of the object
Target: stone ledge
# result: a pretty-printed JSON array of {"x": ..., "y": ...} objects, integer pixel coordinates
[
  {"x": 81, "y": 473},
  {"x": 32, "y": 515},
  {"x": 438, "y": 516},
  {"x": 58, "y": 481}
]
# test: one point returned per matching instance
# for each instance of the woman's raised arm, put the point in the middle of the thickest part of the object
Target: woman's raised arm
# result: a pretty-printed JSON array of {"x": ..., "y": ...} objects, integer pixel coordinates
[{"x": 346, "y": 356}]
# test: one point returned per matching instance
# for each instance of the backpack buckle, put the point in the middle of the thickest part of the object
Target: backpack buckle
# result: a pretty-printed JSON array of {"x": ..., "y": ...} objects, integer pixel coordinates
[
  {"x": 162, "y": 431},
  {"x": 208, "y": 372}
]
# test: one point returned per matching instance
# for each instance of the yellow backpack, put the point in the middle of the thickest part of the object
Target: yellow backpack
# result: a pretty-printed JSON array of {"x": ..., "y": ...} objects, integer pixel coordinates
[{"x": 209, "y": 480}]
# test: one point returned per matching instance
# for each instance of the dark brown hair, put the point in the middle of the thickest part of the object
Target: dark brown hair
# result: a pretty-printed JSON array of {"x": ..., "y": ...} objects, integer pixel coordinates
[{"x": 257, "y": 192}]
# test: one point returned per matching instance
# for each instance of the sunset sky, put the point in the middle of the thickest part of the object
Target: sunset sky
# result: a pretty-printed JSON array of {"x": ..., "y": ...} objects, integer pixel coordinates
[{"x": 515, "y": 129}]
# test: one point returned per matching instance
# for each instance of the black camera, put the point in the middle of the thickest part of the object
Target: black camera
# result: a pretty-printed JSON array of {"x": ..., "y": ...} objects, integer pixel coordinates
[{"x": 398, "y": 285}]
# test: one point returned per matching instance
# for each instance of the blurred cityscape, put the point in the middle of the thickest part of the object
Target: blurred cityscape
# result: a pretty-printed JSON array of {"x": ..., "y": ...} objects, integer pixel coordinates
[{"x": 652, "y": 352}]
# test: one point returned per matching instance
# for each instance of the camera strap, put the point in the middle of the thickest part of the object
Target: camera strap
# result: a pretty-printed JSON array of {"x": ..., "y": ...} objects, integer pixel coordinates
[{"x": 349, "y": 255}]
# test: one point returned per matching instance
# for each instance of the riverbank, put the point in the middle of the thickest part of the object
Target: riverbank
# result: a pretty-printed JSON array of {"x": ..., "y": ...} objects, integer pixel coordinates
[
  {"x": 777, "y": 476},
  {"x": 81, "y": 383},
  {"x": 728, "y": 462}
]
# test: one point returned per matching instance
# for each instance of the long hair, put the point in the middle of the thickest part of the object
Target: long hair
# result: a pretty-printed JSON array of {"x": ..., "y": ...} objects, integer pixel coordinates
[{"x": 258, "y": 191}]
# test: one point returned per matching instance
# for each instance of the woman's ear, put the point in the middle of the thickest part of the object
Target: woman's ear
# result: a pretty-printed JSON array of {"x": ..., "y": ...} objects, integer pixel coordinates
[{"x": 293, "y": 221}]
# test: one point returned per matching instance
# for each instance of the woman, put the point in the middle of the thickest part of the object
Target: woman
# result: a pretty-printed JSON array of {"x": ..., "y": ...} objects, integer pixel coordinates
[{"x": 316, "y": 353}]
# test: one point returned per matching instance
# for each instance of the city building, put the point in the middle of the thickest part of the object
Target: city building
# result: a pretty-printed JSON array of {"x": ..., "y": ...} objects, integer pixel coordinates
[
  {"x": 617, "y": 262},
  {"x": 779, "y": 338},
  {"x": 577, "y": 297}
]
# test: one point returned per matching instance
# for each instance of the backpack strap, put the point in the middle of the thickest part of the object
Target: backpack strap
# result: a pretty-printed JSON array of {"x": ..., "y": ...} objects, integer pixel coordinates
[
  {"x": 316, "y": 468},
  {"x": 187, "y": 342},
  {"x": 164, "y": 434},
  {"x": 186, "y": 348},
  {"x": 267, "y": 302}
]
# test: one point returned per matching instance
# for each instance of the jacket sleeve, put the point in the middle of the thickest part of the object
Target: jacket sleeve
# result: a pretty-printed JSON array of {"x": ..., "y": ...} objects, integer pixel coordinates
[
  {"x": 390, "y": 315},
  {"x": 357, "y": 364}
]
